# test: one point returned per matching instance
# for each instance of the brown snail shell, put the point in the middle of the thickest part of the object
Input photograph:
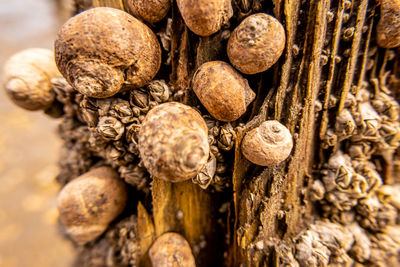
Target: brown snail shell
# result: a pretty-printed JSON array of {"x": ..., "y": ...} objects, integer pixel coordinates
[
  {"x": 171, "y": 250},
  {"x": 90, "y": 202},
  {"x": 27, "y": 76},
  {"x": 222, "y": 90},
  {"x": 268, "y": 144},
  {"x": 149, "y": 10},
  {"x": 205, "y": 17},
  {"x": 101, "y": 49},
  {"x": 173, "y": 142},
  {"x": 388, "y": 28},
  {"x": 256, "y": 44}
]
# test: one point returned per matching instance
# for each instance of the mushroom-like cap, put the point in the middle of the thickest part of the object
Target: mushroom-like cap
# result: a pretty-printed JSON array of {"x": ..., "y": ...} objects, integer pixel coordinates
[
  {"x": 222, "y": 90},
  {"x": 173, "y": 142},
  {"x": 205, "y": 17},
  {"x": 256, "y": 44},
  {"x": 90, "y": 202},
  {"x": 171, "y": 250},
  {"x": 268, "y": 144},
  {"x": 100, "y": 50},
  {"x": 27, "y": 76},
  {"x": 149, "y": 10},
  {"x": 388, "y": 28}
]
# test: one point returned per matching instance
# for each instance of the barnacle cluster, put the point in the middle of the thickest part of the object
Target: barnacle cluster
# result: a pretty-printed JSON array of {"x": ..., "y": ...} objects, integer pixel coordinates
[
  {"x": 119, "y": 247},
  {"x": 357, "y": 184},
  {"x": 105, "y": 131},
  {"x": 325, "y": 243},
  {"x": 366, "y": 131}
]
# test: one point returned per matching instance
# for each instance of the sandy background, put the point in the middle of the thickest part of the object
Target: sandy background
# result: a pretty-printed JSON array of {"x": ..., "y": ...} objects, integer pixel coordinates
[{"x": 28, "y": 151}]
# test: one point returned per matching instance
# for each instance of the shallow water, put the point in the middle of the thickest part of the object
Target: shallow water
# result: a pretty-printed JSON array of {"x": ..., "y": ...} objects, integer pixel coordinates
[{"x": 28, "y": 151}]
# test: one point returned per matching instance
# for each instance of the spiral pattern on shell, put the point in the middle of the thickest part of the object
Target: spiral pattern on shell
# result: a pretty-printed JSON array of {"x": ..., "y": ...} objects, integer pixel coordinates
[
  {"x": 268, "y": 144},
  {"x": 102, "y": 49},
  {"x": 27, "y": 76},
  {"x": 173, "y": 142}
]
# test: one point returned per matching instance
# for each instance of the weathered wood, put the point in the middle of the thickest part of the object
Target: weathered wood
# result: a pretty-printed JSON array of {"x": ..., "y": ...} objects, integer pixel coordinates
[
  {"x": 187, "y": 209},
  {"x": 146, "y": 234}
]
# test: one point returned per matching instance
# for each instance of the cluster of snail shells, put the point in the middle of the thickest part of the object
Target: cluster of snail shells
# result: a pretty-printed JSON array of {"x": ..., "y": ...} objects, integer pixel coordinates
[{"x": 103, "y": 51}]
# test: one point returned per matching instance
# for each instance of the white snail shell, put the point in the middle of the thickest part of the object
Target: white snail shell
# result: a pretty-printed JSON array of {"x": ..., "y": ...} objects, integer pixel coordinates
[{"x": 268, "y": 144}]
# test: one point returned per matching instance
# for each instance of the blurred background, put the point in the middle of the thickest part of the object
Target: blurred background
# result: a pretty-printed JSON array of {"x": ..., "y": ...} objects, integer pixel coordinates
[{"x": 29, "y": 150}]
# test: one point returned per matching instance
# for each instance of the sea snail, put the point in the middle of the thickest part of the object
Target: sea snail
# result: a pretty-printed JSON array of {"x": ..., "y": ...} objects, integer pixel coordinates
[
  {"x": 102, "y": 49},
  {"x": 27, "y": 76},
  {"x": 173, "y": 142},
  {"x": 256, "y": 44},
  {"x": 205, "y": 17},
  {"x": 268, "y": 144},
  {"x": 171, "y": 250},
  {"x": 90, "y": 202},
  {"x": 222, "y": 90},
  {"x": 388, "y": 28},
  {"x": 149, "y": 10}
]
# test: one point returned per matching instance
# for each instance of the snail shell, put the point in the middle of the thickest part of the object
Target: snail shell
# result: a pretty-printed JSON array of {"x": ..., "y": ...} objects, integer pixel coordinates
[
  {"x": 149, "y": 10},
  {"x": 256, "y": 44},
  {"x": 205, "y": 17},
  {"x": 100, "y": 50},
  {"x": 268, "y": 144},
  {"x": 27, "y": 76},
  {"x": 90, "y": 202},
  {"x": 222, "y": 90},
  {"x": 173, "y": 142},
  {"x": 171, "y": 250},
  {"x": 388, "y": 28}
]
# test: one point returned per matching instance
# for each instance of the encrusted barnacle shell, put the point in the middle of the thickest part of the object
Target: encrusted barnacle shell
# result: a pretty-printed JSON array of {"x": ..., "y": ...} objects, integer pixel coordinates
[
  {"x": 100, "y": 50},
  {"x": 388, "y": 28},
  {"x": 173, "y": 142},
  {"x": 256, "y": 44},
  {"x": 222, "y": 90},
  {"x": 171, "y": 250},
  {"x": 323, "y": 242},
  {"x": 345, "y": 124},
  {"x": 206, "y": 175},
  {"x": 90, "y": 202},
  {"x": 268, "y": 144},
  {"x": 205, "y": 17},
  {"x": 149, "y": 10},
  {"x": 390, "y": 194},
  {"x": 110, "y": 128},
  {"x": 159, "y": 90},
  {"x": 26, "y": 78},
  {"x": 375, "y": 215}
]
